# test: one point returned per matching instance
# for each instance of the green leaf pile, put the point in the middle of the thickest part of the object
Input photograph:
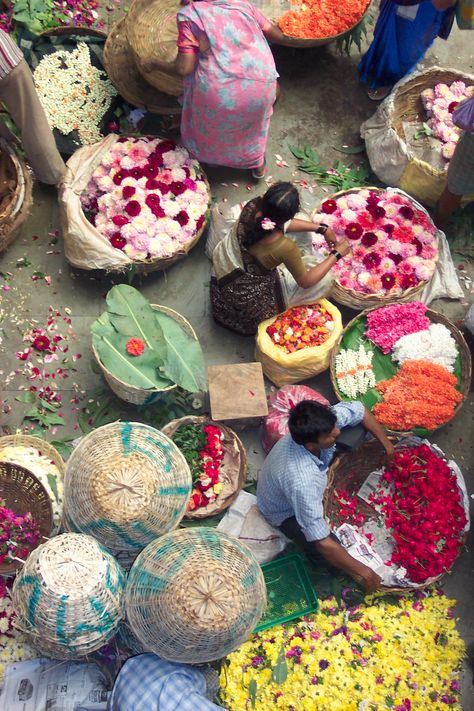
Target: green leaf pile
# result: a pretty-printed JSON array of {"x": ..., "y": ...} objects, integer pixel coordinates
[
  {"x": 339, "y": 176},
  {"x": 171, "y": 356}
]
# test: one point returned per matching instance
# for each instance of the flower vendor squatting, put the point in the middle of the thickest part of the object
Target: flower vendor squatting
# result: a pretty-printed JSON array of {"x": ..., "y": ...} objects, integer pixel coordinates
[{"x": 291, "y": 484}]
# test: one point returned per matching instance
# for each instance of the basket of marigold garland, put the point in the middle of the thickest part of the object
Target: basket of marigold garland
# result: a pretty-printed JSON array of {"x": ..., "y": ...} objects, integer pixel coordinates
[
  {"x": 144, "y": 350},
  {"x": 394, "y": 246},
  {"x": 217, "y": 460},
  {"x": 415, "y": 511},
  {"x": 128, "y": 203},
  {"x": 408, "y": 364},
  {"x": 15, "y": 200}
]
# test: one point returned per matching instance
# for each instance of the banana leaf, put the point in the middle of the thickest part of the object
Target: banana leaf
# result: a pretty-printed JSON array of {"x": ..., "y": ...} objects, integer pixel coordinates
[
  {"x": 183, "y": 360},
  {"x": 139, "y": 371},
  {"x": 132, "y": 315}
]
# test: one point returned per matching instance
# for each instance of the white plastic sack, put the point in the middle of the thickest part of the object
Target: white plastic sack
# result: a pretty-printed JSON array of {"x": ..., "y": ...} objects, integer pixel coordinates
[
  {"x": 84, "y": 246},
  {"x": 244, "y": 521}
]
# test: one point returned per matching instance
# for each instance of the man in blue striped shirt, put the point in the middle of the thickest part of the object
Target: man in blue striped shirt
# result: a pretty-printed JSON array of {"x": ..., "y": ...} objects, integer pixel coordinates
[{"x": 291, "y": 484}]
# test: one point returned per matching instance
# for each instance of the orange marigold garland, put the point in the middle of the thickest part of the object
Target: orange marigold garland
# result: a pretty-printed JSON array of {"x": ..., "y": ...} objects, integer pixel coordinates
[
  {"x": 318, "y": 19},
  {"x": 421, "y": 394}
]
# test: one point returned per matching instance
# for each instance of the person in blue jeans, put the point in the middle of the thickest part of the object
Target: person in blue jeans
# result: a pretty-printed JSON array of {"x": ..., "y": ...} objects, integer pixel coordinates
[
  {"x": 404, "y": 32},
  {"x": 293, "y": 478}
]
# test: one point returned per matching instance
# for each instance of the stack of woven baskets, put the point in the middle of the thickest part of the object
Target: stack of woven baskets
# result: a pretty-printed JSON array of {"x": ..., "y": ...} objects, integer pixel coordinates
[
  {"x": 148, "y": 30},
  {"x": 15, "y": 198}
]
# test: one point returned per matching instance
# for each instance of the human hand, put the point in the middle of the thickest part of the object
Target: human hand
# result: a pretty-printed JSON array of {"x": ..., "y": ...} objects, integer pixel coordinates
[
  {"x": 344, "y": 248},
  {"x": 330, "y": 237},
  {"x": 370, "y": 581},
  {"x": 387, "y": 458}
]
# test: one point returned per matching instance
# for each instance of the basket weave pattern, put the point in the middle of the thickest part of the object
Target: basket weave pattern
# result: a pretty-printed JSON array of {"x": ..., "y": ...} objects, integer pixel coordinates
[
  {"x": 15, "y": 209},
  {"x": 140, "y": 396},
  {"x": 68, "y": 597},
  {"x": 194, "y": 595},
  {"x": 233, "y": 468},
  {"x": 126, "y": 484},
  {"x": 435, "y": 317}
]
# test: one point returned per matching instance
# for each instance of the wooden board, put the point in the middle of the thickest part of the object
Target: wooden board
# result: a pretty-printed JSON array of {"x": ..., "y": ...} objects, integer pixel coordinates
[{"x": 237, "y": 392}]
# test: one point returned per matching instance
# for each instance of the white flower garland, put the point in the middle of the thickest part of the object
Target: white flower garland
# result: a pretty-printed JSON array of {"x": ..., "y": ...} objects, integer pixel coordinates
[
  {"x": 434, "y": 344},
  {"x": 74, "y": 94},
  {"x": 354, "y": 371}
]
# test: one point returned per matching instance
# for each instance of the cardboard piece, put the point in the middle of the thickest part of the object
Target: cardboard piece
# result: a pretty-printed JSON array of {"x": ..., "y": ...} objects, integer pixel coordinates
[{"x": 237, "y": 393}]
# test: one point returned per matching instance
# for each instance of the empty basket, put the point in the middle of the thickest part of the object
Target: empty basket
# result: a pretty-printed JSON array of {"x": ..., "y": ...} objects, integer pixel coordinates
[
  {"x": 68, "y": 596},
  {"x": 126, "y": 484},
  {"x": 194, "y": 595}
]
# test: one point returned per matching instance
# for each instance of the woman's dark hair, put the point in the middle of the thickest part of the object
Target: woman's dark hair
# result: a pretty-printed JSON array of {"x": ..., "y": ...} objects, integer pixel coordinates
[
  {"x": 308, "y": 420},
  {"x": 280, "y": 203}
]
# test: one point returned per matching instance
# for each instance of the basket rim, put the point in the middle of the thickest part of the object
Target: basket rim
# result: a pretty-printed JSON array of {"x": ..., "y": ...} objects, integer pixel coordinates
[
  {"x": 228, "y": 432},
  {"x": 132, "y": 388},
  {"x": 21, "y": 440},
  {"x": 372, "y": 447},
  {"x": 431, "y": 314},
  {"x": 303, "y": 42}
]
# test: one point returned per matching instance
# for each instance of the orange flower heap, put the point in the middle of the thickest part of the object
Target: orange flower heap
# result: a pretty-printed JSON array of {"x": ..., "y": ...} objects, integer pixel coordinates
[
  {"x": 318, "y": 19},
  {"x": 421, "y": 394},
  {"x": 301, "y": 327}
]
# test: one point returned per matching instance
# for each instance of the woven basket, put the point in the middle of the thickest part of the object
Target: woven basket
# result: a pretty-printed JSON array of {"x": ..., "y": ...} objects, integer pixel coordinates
[
  {"x": 140, "y": 396},
  {"x": 14, "y": 208},
  {"x": 435, "y": 317},
  {"x": 349, "y": 472},
  {"x": 67, "y": 30},
  {"x": 22, "y": 492},
  {"x": 152, "y": 31},
  {"x": 232, "y": 471},
  {"x": 126, "y": 484},
  {"x": 68, "y": 597},
  {"x": 122, "y": 70},
  {"x": 355, "y": 299},
  {"x": 274, "y": 9},
  {"x": 194, "y": 595},
  {"x": 47, "y": 450}
]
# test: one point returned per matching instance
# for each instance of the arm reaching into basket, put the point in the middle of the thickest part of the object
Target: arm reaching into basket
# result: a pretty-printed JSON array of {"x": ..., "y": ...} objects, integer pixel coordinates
[
  {"x": 375, "y": 428},
  {"x": 337, "y": 556},
  {"x": 182, "y": 66}
]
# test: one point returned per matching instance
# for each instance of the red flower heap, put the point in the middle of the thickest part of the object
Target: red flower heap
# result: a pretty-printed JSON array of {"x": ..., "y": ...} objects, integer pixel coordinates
[
  {"x": 301, "y": 327},
  {"x": 424, "y": 512}
]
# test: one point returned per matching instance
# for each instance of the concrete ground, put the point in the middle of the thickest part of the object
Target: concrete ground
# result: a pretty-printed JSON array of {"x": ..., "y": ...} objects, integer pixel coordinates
[{"x": 322, "y": 104}]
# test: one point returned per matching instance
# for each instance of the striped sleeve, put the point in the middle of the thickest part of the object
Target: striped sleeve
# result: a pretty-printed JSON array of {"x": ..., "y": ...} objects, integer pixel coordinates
[{"x": 10, "y": 54}]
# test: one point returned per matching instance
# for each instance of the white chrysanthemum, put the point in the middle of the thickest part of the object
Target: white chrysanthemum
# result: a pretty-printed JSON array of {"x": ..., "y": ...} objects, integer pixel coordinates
[
  {"x": 195, "y": 211},
  {"x": 171, "y": 207},
  {"x": 434, "y": 344}
]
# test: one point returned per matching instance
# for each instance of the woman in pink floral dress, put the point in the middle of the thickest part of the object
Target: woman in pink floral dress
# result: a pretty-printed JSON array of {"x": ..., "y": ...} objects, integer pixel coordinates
[{"x": 230, "y": 81}]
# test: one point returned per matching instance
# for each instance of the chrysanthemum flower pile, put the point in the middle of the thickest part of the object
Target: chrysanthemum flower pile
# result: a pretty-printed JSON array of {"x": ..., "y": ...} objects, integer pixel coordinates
[
  {"x": 317, "y": 19},
  {"x": 147, "y": 197},
  {"x": 401, "y": 655},
  {"x": 439, "y": 104},
  {"x": 394, "y": 244}
]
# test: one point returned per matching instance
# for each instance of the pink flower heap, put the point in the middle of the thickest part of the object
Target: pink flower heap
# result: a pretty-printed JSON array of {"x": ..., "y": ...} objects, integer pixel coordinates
[
  {"x": 17, "y": 533},
  {"x": 439, "y": 104},
  {"x": 394, "y": 244},
  {"x": 147, "y": 198},
  {"x": 386, "y": 325}
]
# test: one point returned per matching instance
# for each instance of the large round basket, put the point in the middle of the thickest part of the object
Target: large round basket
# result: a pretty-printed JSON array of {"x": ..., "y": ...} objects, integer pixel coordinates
[
  {"x": 233, "y": 468},
  {"x": 422, "y": 180},
  {"x": 68, "y": 597},
  {"x": 465, "y": 360},
  {"x": 20, "y": 447},
  {"x": 126, "y": 484},
  {"x": 348, "y": 472},
  {"x": 16, "y": 191},
  {"x": 194, "y": 595},
  {"x": 357, "y": 300},
  {"x": 274, "y": 9},
  {"x": 152, "y": 31},
  {"x": 140, "y": 396},
  {"x": 122, "y": 70},
  {"x": 22, "y": 492}
]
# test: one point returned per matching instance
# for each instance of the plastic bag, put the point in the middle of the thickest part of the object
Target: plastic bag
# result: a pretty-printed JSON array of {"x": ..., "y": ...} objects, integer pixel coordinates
[
  {"x": 285, "y": 368},
  {"x": 280, "y": 403}
]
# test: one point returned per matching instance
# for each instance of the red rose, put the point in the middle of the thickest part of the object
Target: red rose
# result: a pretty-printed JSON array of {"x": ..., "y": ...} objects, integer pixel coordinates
[
  {"x": 120, "y": 220},
  {"x": 329, "y": 206},
  {"x": 156, "y": 159},
  {"x": 388, "y": 228},
  {"x": 418, "y": 245},
  {"x": 128, "y": 191},
  {"x": 150, "y": 171},
  {"x": 113, "y": 127},
  {"x": 118, "y": 241},
  {"x": 353, "y": 230},
  {"x": 165, "y": 146},
  {"x": 152, "y": 184},
  {"x": 369, "y": 239},
  {"x": 388, "y": 280},
  {"x": 377, "y": 211},
  {"x": 408, "y": 280},
  {"x": 371, "y": 261},
  {"x": 153, "y": 202},
  {"x": 200, "y": 222},
  {"x": 41, "y": 343},
  {"x": 452, "y": 106},
  {"x": 137, "y": 173},
  {"x": 397, "y": 258},
  {"x": 406, "y": 212},
  {"x": 182, "y": 218},
  {"x": 119, "y": 176},
  {"x": 178, "y": 188},
  {"x": 133, "y": 208}
]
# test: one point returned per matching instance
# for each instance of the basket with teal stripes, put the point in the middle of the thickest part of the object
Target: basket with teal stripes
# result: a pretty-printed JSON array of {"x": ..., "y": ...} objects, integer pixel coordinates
[
  {"x": 194, "y": 595},
  {"x": 68, "y": 597},
  {"x": 126, "y": 484}
]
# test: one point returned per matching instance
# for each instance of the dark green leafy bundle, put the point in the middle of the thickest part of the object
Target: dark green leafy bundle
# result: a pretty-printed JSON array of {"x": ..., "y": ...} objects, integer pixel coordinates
[
  {"x": 144, "y": 347},
  {"x": 191, "y": 439},
  {"x": 340, "y": 176},
  {"x": 357, "y": 35}
]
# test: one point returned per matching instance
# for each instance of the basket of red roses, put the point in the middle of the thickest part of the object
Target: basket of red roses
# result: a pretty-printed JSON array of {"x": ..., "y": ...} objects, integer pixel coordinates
[
  {"x": 217, "y": 460},
  {"x": 410, "y": 518},
  {"x": 394, "y": 246}
]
